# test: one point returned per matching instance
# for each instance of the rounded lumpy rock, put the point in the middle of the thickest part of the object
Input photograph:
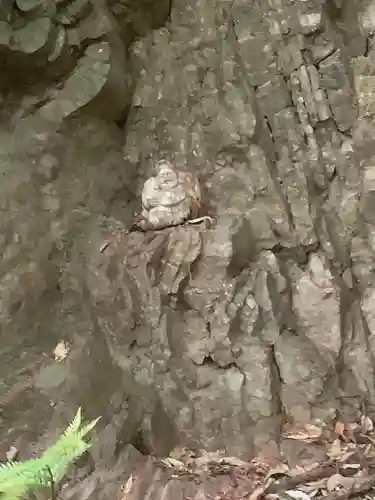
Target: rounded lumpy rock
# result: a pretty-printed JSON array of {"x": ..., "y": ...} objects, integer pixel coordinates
[{"x": 170, "y": 197}]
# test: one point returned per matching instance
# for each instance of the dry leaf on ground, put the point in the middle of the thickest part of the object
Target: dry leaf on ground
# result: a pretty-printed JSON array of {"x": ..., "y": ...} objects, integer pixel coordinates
[
  {"x": 297, "y": 495},
  {"x": 366, "y": 424},
  {"x": 312, "y": 490},
  {"x": 337, "y": 449},
  {"x": 126, "y": 489},
  {"x": 337, "y": 480},
  {"x": 280, "y": 469},
  {"x": 308, "y": 433},
  {"x": 207, "y": 458},
  {"x": 233, "y": 461},
  {"x": 258, "y": 492},
  {"x": 339, "y": 428},
  {"x": 172, "y": 463}
]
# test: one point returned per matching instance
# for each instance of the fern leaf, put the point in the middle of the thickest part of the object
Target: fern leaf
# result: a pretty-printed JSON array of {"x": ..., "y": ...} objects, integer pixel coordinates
[
  {"x": 21, "y": 475},
  {"x": 68, "y": 448},
  {"x": 16, "y": 478},
  {"x": 4, "y": 466},
  {"x": 75, "y": 424},
  {"x": 14, "y": 494},
  {"x": 11, "y": 470},
  {"x": 63, "y": 453},
  {"x": 88, "y": 427}
]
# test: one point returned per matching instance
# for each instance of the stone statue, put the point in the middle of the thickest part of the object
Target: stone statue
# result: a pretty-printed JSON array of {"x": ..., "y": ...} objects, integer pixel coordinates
[{"x": 170, "y": 198}]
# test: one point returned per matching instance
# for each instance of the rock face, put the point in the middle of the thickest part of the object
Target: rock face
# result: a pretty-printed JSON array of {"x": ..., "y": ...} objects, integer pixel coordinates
[{"x": 204, "y": 338}]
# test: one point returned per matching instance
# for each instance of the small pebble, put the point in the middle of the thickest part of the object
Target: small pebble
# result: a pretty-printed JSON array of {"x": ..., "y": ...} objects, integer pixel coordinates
[{"x": 12, "y": 453}]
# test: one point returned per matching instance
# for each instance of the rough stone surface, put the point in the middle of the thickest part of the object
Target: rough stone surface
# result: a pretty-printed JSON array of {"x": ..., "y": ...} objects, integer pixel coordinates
[{"x": 204, "y": 338}]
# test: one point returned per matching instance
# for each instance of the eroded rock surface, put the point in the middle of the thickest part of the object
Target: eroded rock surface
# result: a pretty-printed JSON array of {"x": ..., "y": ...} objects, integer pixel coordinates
[{"x": 209, "y": 338}]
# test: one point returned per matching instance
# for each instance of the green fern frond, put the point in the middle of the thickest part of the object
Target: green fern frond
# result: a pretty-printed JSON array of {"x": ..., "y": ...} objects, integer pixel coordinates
[
  {"x": 75, "y": 424},
  {"x": 65, "y": 451},
  {"x": 15, "y": 494},
  {"x": 88, "y": 427},
  {"x": 8, "y": 465},
  {"x": 16, "y": 478}
]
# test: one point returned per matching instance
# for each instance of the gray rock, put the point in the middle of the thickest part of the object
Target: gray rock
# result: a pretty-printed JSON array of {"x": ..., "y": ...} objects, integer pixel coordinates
[
  {"x": 74, "y": 11},
  {"x": 6, "y": 10},
  {"x": 27, "y": 6},
  {"x": 60, "y": 41},
  {"x": 33, "y": 36},
  {"x": 367, "y": 18},
  {"x": 335, "y": 82},
  {"x": 321, "y": 47},
  {"x": 83, "y": 86},
  {"x": 310, "y": 22},
  {"x": 5, "y": 33}
]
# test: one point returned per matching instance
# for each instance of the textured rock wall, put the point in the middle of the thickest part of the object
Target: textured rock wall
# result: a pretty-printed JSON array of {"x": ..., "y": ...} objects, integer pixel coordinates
[
  {"x": 273, "y": 315},
  {"x": 206, "y": 337}
]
